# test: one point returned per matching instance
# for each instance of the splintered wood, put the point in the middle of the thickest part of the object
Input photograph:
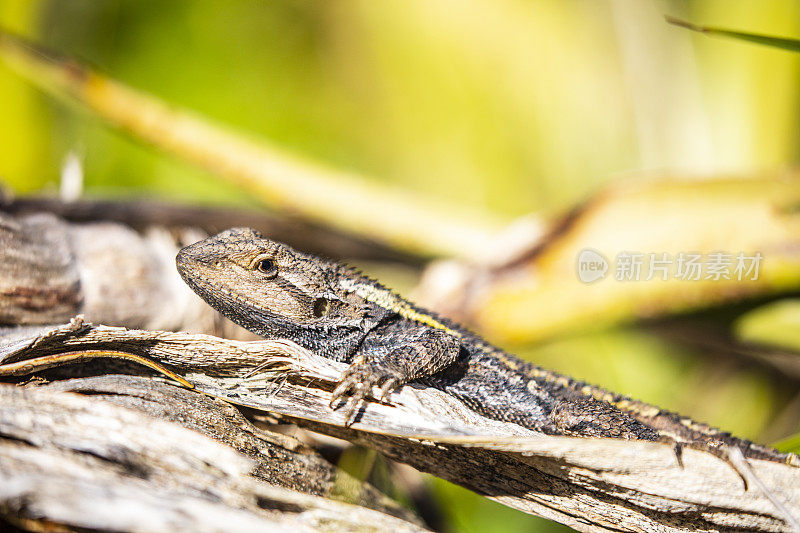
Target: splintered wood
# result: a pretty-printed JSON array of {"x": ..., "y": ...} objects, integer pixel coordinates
[{"x": 588, "y": 484}]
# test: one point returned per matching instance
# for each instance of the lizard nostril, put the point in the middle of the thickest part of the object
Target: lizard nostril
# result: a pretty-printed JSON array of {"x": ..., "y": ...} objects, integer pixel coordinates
[{"x": 321, "y": 307}]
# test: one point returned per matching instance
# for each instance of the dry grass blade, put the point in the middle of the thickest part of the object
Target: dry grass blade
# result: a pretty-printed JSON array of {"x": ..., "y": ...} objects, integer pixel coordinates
[
  {"x": 783, "y": 43},
  {"x": 589, "y": 484},
  {"x": 650, "y": 223},
  {"x": 37, "y": 364}
]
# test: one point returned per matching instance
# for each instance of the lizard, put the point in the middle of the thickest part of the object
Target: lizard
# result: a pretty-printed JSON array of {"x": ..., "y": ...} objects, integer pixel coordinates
[{"x": 333, "y": 310}]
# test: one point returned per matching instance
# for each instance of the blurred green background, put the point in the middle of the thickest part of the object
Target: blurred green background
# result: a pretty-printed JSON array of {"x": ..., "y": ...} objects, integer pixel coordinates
[{"x": 504, "y": 106}]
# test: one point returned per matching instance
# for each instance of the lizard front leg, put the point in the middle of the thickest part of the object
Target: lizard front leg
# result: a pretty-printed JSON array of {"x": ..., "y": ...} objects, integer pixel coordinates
[{"x": 391, "y": 357}]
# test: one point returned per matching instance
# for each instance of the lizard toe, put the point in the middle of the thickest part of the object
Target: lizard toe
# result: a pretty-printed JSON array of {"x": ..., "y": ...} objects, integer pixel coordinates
[
  {"x": 356, "y": 378},
  {"x": 357, "y": 383},
  {"x": 353, "y": 406},
  {"x": 390, "y": 384},
  {"x": 342, "y": 390}
]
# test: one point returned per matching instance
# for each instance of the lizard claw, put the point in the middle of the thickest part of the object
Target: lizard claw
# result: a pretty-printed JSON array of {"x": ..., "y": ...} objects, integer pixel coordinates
[
  {"x": 352, "y": 409},
  {"x": 357, "y": 382},
  {"x": 342, "y": 390},
  {"x": 390, "y": 384}
]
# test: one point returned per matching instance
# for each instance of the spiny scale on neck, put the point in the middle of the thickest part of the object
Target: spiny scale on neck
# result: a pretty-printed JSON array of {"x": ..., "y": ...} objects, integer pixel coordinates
[{"x": 372, "y": 291}]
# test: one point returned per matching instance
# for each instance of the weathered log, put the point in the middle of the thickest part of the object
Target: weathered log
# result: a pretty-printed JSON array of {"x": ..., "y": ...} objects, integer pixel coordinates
[
  {"x": 50, "y": 270},
  {"x": 114, "y": 262},
  {"x": 278, "y": 459},
  {"x": 70, "y": 462},
  {"x": 142, "y": 215},
  {"x": 589, "y": 484}
]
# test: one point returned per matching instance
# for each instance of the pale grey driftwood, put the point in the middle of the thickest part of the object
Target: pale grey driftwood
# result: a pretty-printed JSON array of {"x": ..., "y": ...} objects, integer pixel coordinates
[{"x": 589, "y": 484}]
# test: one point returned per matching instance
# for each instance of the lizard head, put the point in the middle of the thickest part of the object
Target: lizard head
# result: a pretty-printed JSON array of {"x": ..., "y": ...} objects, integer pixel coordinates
[{"x": 264, "y": 285}]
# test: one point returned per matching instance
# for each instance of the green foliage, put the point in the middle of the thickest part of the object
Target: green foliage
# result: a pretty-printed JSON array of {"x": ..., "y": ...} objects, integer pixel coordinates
[
  {"x": 504, "y": 106},
  {"x": 789, "y": 444},
  {"x": 467, "y": 512},
  {"x": 774, "y": 324}
]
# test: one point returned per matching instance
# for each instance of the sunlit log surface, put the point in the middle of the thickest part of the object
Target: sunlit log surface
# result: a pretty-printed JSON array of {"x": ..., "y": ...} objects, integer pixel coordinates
[
  {"x": 86, "y": 463},
  {"x": 115, "y": 262},
  {"x": 589, "y": 484}
]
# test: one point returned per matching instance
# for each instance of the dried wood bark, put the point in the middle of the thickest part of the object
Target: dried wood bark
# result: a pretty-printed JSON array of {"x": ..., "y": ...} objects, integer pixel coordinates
[
  {"x": 50, "y": 270},
  {"x": 278, "y": 459},
  {"x": 114, "y": 262},
  {"x": 589, "y": 484},
  {"x": 73, "y": 462},
  {"x": 142, "y": 215}
]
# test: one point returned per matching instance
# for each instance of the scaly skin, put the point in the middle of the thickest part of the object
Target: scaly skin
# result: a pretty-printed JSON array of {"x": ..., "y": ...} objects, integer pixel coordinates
[{"x": 277, "y": 292}]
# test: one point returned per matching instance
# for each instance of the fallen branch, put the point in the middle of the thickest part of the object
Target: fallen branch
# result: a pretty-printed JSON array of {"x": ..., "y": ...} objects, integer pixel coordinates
[
  {"x": 88, "y": 464},
  {"x": 589, "y": 484}
]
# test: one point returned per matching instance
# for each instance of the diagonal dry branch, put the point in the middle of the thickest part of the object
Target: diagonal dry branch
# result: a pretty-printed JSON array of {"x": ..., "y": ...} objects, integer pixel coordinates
[
  {"x": 142, "y": 215},
  {"x": 340, "y": 199},
  {"x": 589, "y": 484},
  {"x": 539, "y": 295}
]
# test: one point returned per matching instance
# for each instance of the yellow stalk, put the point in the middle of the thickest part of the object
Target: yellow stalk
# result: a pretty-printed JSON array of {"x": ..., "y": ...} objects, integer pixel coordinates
[{"x": 284, "y": 181}]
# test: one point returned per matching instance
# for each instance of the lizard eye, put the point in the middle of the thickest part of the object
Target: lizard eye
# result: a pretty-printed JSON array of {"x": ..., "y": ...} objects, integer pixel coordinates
[
  {"x": 266, "y": 266},
  {"x": 321, "y": 307}
]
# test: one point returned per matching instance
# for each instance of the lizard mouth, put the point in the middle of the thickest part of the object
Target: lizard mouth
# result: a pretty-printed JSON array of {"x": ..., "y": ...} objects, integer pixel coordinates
[
  {"x": 196, "y": 281},
  {"x": 183, "y": 264},
  {"x": 192, "y": 274}
]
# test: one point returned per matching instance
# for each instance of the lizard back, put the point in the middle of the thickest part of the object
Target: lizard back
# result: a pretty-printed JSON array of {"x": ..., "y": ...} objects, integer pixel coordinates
[{"x": 278, "y": 292}]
